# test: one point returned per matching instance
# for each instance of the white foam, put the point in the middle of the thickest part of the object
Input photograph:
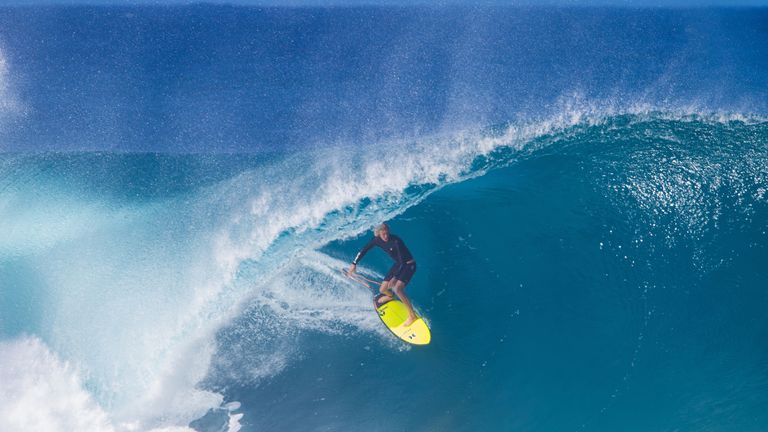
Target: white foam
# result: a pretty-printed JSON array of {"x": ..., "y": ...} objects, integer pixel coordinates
[
  {"x": 173, "y": 398},
  {"x": 310, "y": 294},
  {"x": 40, "y": 392}
]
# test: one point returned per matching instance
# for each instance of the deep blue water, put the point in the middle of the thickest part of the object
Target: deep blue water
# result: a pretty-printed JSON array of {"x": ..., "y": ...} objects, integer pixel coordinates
[{"x": 584, "y": 191}]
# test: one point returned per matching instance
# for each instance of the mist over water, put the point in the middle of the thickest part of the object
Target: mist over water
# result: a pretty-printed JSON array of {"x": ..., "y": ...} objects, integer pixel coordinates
[
  {"x": 583, "y": 189},
  {"x": 228, "y": 79}
]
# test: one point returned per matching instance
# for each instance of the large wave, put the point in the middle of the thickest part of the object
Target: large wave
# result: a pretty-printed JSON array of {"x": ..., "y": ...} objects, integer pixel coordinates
[
  {"x": 132, "y": 281},
  {"x": 132, "y": 289}
]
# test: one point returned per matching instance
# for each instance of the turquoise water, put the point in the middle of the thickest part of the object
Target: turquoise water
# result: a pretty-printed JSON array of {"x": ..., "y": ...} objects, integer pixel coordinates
[
  {"x": 572, "y": 290},
  {"x": 590, "y": 223}
]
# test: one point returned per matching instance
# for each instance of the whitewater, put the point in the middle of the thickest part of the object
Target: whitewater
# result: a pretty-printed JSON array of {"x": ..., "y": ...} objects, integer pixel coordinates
[{"x": 180, "y": 186}]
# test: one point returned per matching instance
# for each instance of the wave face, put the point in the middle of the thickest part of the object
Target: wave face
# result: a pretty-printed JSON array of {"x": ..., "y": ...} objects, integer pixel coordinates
[{"x": 180, "y": 187}]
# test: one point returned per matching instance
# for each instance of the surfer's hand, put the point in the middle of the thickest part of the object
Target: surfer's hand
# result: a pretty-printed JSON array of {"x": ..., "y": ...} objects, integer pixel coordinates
[{"x": 352, "y": 268}]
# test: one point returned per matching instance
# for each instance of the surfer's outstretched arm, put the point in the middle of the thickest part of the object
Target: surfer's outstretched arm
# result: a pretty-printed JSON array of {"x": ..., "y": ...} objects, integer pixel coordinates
[{"x": 361, "y": 254}]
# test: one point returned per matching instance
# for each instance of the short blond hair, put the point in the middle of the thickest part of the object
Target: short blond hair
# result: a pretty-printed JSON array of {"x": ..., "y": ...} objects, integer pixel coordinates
[{"x": 380, "y": 228}]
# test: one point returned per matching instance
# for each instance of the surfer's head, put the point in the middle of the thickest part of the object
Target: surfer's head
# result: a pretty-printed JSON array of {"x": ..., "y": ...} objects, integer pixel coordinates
[{"x": 382, "y": 231}]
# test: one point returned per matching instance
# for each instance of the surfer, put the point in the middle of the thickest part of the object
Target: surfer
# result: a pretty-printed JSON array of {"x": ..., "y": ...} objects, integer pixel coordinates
[{"x": 400, "y": 273}]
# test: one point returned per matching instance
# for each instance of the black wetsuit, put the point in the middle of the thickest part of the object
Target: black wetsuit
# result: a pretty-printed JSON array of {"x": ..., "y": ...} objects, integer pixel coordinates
[{"x": 404, "y": 266}]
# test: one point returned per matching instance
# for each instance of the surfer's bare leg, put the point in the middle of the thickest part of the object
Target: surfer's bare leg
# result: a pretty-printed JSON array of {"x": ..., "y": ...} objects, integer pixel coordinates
[
  {"x": 385, "y": 289},
  {"x": 400, "y": 291}
]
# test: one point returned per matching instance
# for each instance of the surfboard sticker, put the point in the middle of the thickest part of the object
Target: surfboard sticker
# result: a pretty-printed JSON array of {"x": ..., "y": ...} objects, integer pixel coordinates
[{"x": 393, "y": 314}]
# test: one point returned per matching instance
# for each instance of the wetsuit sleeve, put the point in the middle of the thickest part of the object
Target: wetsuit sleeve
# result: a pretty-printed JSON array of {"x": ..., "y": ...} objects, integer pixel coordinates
[
  {"x": 399, "y": 259},
  {"x": 364, "y": 251}
]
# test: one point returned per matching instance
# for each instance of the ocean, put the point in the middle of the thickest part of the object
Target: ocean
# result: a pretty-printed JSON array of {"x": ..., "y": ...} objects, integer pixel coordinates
[{"x": 583, "y": 189}]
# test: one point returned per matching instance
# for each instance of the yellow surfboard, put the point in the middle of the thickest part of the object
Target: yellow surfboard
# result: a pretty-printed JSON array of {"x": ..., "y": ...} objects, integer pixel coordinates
[{"x": 393, "y": 314}]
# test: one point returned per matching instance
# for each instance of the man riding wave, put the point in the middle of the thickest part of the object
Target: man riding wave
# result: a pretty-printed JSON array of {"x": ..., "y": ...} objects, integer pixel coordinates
[{"x": 401, "y": 272}]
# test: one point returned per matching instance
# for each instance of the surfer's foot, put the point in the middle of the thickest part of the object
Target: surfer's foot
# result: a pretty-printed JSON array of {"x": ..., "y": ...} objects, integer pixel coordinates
[
  {"x": 410, "y": 320},
  {"x": 383, "y": 299}
]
